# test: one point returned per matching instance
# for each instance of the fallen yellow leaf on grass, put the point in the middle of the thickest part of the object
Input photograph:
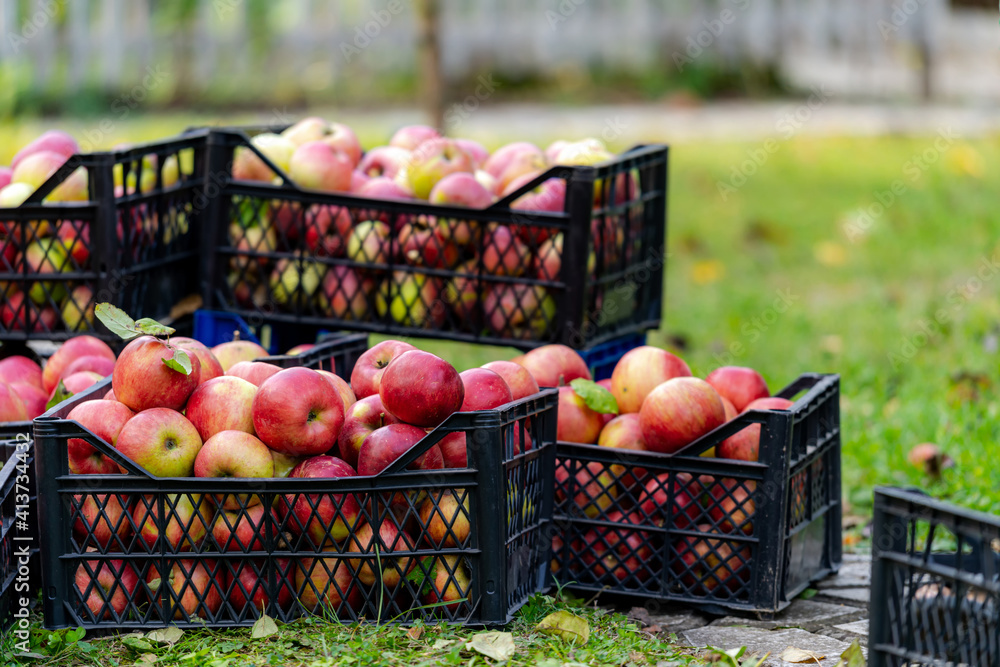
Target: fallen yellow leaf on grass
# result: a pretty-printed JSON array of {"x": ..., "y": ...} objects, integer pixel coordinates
[
  {"x": 792, "y": 654},
  {"x": 966, "y": 160},
  {"x": 565, "y": 625},
  {"x": 707, "y": 271},
  {"x": 496, "y": 645},
  {"x": 829, "y": 253},
  {"x": 415, "y": 632}
]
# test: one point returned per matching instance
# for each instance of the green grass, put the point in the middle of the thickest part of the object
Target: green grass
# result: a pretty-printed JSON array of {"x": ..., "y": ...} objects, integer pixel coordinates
[
  {"x": 317, "y": 642},
  {"x": 855, "y": 304}
]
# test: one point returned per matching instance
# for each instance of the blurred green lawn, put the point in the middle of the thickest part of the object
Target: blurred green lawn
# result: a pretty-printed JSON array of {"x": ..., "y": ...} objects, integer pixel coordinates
[{"x": 856, "y": 295}]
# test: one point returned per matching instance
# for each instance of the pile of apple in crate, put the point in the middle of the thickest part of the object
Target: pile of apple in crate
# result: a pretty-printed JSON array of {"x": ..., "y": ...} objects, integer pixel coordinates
[{"x": 305, "y": 492}]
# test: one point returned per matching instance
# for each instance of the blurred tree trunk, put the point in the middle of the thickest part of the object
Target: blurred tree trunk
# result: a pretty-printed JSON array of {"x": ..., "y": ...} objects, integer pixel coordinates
[{"x": 429, "y": 50}]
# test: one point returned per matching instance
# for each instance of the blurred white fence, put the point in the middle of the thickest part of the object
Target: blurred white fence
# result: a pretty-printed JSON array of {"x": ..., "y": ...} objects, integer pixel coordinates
[{"x": 882, "y": 48}]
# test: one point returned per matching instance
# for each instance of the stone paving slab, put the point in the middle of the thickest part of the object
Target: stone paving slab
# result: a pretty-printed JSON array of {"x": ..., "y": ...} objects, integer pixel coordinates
[
  {"x": 854, "y": 574},
  {"x": 853, "y": 594},
  {"x": 760, "y": 642},
  {"x": 857, "y": 627},
  {"x": 800, "y": 614}
]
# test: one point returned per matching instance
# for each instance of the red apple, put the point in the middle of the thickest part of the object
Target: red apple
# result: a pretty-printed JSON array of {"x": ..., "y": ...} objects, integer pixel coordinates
[
  {"x": 422, "y": 389},
  {"x": 327, "y": 586},
  {"x": 501, "y": 158},
  {"x": 461, "y": 189},
  {"x": 518, "y": 311},
  {"x": 106, "y": 587},
  {"x": 484, "y": 390},
  {"x": 734, "y": 507},
  {"x": 384, "y": 187},
  {"x": 342, "y": 138},
  {"x": 678, "y": 412},
  {"x": 388, "y": 443},
  {"x": 21, "y": 369},
  {"x": 298, "y": 412},
  {"x": 476, "y": 151},
  {"x": 362, "y": 418},
  {"x": 705, "y": 563},
  {"x": 431, "y": 161},
  {"x": 444, "y": 519},
  {"x": 77, "y": 382},
  {"x": 521, "y": 383},
  {"x": 209, "y": 366},
  {"x": 54, "y": 141},
  {"x": 195, "y": 590},
  {"x": 624, "y": 432},
  {"x": 254, "y": 372},
  {"x": 367, "y": 375},
  {"x": 241, "y": 530},
  {"x": 683, "y": 499},
  {"x": 745, "y": 445},
  {"x": 385, "y": 571},
  {"x": 162, "y": 441},
  {"x": 553, "y": 365},
  {"x": 188, "y": 519},
  {"x": 342, "y": 387},
  {"x": 34, "y": 399},
  {"x": 411, "y": 136},
  {"x": 231, "y": 353},
  {"x": 384, "y": 161},
  {"x": 284, "y": 464},
  {"x": 504, "y": 254},
  {"x": 100, "y": 365},
  {"x": 641, "y": 371},
  {"x": 316, "y": 165},
  {"x": 79, "y": 346},
  {"x": 12, "y": 408},
  {"x": 449, "y": 583},
  {"x": 577, "y": 422},
  {"x": 248, "y": 585},
  {"x": 234, "y": 454},
  {"x": 595, "y": 488},
  {"x": 99, "y": 520},
  {"x": 327, "y": 517},
  {"x": 454, "y": 451},
  {"x": 624, "y": 550},
  {"x": 142, "y": 381},
  {"x": 105, "y": 419},
  {"x": 345, "y": 294},
  {"x": 222, "y": 404},
  {"x": 740, "y": 385}
]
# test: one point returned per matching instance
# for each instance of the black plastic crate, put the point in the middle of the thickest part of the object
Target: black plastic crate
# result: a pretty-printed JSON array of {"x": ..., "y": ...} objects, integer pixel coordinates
[
  {"x": 134, "y": 243},
  {"x": 214, "y": 326},
  {"x": 721, "y": 534},
  {"x": 604, "y": 281},
  {"x": 336, "y": 353},
  {"x": 19, "y": 560},
  {"x": 505, "y": 496},
  {"x": 935, "y": 596},
  {"x": 602, "y": 358}
]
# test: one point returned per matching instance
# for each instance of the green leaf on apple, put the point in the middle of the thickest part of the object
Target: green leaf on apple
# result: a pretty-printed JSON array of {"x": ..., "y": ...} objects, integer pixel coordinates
[
  {"x": 60, "y": 395},
  {"x": 153, "y": 328},
  {"x": 418, "y": 577},
  {"x": 181, "y": 362},
  {"x": 595, "y": 396},
  {"x": 116, "y": 320}
]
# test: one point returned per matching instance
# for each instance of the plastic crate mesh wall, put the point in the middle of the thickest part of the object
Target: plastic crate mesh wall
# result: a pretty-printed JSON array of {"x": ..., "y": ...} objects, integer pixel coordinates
[
  {"x": 935, "y": 587},
  {"x": 703, "y": 530}
]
